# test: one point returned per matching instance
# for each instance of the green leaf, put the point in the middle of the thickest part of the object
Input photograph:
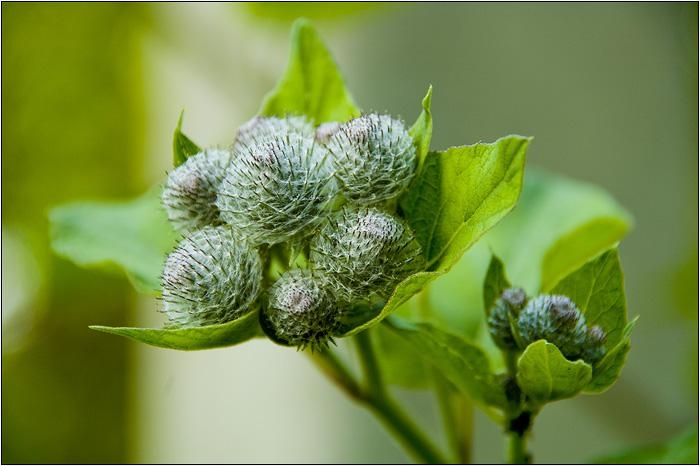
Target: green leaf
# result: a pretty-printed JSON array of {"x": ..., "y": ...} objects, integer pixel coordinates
[
  {"x": 576, "y": 247},
  {"x": 422, "y": 129},
  {"x": 597, "y": 288},
  {"x": 312, "y": 84},
  {"x": 681, "y": 450},
  {"x": 197, "y": 338},
  {"x": 544, "y": 374},
  {"x": 460, "y": 362},
  {"x": 462, "y": 192},
  {"x": 134, "y": 235},
  {"x": 608, "y": 369},
  {"x": 183, "y": 147},
  {"x": 458, "y": 196},
  {"x": 398, "y": 360},
  {"x": 494, "y": 283}
]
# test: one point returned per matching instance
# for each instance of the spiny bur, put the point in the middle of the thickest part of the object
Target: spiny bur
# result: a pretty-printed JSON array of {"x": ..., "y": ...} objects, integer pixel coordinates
[
  {"x": 365, "y": 250},
  {"x": 277, "y": 189},
  {"x": 374, "y": 158},
  {"x": 300, "y": 311},
  {"x": 211, "y": 277},
  {"x": 190, "y": 191}
]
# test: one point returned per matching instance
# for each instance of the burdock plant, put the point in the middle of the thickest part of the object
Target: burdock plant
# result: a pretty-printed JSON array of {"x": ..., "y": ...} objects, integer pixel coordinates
[{"x": 317, "y": 223}]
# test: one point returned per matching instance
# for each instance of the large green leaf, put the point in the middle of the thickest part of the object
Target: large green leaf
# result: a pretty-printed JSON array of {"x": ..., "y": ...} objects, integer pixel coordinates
[
  {"x": 459, "y": 194},
  {"x": 460, "y": 362},
  {"x": 312, "y": 84},
  {"x": 183, "y": 147},
  {"x": 597, "y": 288},
  {"x": 462, "y": 192},
  {"x": 680, "y": 450},
  {"x": 134, "y": 235},
  {"x": 545, "y": 375},
  {"x": 196, "y": 338}
]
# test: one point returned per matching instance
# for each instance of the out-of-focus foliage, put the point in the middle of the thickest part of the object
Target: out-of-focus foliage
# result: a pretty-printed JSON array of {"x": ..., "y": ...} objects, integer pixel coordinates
[
  {"x": 134, "y": 235},
  {"x": 288, "y": 11},
  {"x": 72, "y": 129},
  {"x": 679, "y": 450}
]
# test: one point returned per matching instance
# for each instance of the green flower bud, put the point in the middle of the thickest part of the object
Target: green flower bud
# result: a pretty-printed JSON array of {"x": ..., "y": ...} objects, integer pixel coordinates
[
  {"x": 262, "y": 129},
  {"x": 594, "y": 349},
  {"x": 190, "y": 191},
  {"x": 556, "y": 319},
  {"x": 211, "y": 277},
  {"x": 365, "y": 250},
  {"x": 374, "y": 158},
  {"x": 275, "y": 190},
  {"x": 299, "y": 311},
  {"x": 504, "y": 309}
]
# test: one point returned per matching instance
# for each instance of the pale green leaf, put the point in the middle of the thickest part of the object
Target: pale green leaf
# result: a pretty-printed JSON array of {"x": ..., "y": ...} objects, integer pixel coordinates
[
  {"x": 134, "y": 236},
  {"x": 422, "y": 129},
  {"x": 494, "y": 283},
  {"x": 460, "y": 362},
  {"x": 398, "y": 360},
  {"x": 597, "y": 288},
  {"x": 545, "y": 375},
  {"x": 578, "y": 246},
  {"x": 312, "y": 84},
  {"x": 183, "y": 147},
  {"x": 195, "y": 338}
]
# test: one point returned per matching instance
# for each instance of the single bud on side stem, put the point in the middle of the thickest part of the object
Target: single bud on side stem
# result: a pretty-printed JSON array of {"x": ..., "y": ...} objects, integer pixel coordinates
[
  {"x": 558, "y": 320},
  {"x": 211, "y": 277},
  {"x": 190, "y": 191}
]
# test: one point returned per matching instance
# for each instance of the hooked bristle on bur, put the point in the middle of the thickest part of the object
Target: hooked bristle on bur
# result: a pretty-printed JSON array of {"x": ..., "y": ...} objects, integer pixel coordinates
[
  {"x": 211, "y": 277},
  {"x": 365, "y": 250},
  {"x": 190, "y": 191},
  {"x": 300, "y": 312},
  {"x": 374, "y": 158},
  {"x": 277, "y": 189}
]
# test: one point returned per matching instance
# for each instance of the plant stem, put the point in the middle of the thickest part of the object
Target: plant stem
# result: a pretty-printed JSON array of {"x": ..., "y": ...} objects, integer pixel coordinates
[
  {"x": 388, "y": 411},
  {"x": 457, "y": 410},
  {"x": 517, "y": 450},
  {"x": 518, "y": 421}
]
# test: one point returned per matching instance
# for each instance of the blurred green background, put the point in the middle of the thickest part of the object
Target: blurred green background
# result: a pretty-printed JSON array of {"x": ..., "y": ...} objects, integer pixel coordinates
[{"x": 91, "y": 94}]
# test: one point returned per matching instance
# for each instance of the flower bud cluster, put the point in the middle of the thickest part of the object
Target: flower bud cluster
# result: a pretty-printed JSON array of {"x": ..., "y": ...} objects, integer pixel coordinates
[
  {"x": 514, "y": 323},
  {"x": 283, "y": 182}
]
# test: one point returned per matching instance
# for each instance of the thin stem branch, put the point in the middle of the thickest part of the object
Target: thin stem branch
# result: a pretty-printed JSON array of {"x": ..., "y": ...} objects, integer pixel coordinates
[
  {"x": 370, "y": 367},
  {"x": 388, "y": 411},
  {"x": 516, "y": 449}
]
